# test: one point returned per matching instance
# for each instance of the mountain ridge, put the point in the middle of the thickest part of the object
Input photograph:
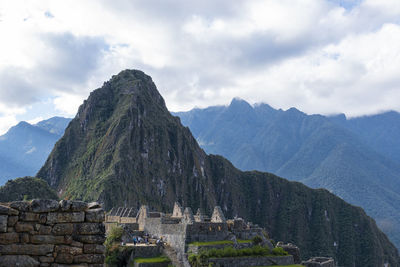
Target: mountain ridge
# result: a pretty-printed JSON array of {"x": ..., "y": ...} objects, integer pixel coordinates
[
  {"x": 124, "y": 148},
  {"x": 25, "y": 147},
  {"x": 313, "y": 149}
]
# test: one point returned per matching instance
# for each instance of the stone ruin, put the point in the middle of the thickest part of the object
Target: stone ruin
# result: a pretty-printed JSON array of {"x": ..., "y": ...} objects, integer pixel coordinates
[
  {"x": 178, "y": 210},
  {"x": 319, "y": 262},
  {"x": 181, "y": 227},
  {"x": 51, "y": 233},
  {"x": 292, "y": 250},
  {"x": 218, "y": 215}
]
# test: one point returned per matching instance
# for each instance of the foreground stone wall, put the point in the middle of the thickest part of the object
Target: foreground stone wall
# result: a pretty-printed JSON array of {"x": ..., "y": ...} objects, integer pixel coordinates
[{"x": 51, "y": 233}]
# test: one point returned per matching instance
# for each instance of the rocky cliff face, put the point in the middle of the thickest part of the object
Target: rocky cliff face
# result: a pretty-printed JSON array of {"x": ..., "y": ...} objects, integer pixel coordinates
[{"x": 125, "y": 148}]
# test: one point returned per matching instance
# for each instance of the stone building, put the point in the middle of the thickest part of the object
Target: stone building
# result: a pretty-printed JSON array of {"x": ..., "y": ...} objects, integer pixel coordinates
[{"x": 182, "y": 227}]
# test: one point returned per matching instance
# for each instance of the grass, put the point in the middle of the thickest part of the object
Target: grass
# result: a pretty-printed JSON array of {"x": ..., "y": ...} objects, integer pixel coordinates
[
  {"x": 229, "y": 251},
  {"x": 212, "y": 243},
  {"x": 295, "y": 265},
  {"x": 241, "y": 241},
  {"x": 152, "y": 260}
]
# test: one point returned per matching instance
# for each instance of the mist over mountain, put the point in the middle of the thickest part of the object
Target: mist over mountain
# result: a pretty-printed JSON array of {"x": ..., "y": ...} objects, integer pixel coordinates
[
  {"x": 124, "y": 148},
  {"x": 25, "y": 147},
  {"x": 356, "y": 159}
]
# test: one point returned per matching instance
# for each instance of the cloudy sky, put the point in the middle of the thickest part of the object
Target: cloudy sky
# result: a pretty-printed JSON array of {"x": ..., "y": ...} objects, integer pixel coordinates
[{"x": 321, "y": 56}]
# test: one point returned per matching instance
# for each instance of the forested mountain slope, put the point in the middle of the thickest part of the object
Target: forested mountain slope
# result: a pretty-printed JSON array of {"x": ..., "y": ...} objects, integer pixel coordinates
[
  {"x": 125, "y": 148},
  {"x": 323, "y": 152}
]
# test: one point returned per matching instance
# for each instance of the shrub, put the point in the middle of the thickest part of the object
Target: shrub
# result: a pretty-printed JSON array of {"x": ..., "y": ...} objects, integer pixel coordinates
[
  {"x": 278, "y": 251},
  {"x": 257, "y": 240},
  {"x": 192, "y": 259},
  {"x": 112, "y": 246},
  {"x": 257, "y": 250},
  {"x": 114, "y": 235}
]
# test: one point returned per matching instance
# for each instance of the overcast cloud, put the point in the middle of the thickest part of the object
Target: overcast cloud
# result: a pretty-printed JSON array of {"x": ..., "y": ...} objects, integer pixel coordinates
[{"x": 325, "y": 57}]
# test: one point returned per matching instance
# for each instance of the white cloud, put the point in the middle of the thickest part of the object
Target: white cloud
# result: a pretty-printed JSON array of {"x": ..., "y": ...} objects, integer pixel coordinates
[
  {"x": 313, "y": 54},
  {"x": 35, "y": 120},
  {"x": 68, "y": 104},
  {"x": 8, "y": 117}
]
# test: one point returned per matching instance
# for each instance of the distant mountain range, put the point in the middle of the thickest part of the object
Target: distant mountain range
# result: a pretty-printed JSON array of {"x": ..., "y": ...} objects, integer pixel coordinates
[
  {"x": 357, "y": 159},
  {"x": 25, "y": 147},
  {"x": 124, "y": 148}
]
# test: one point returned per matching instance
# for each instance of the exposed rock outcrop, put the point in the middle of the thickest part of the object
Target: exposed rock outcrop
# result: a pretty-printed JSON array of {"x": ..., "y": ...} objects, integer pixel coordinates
[{"x": 125, "y": 148}]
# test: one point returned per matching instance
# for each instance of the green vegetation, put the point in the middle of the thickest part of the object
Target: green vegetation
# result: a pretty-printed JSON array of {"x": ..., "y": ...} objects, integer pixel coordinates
[
  {"x": 257, "y": 240},
  {"x": 152, "y": 260},
  {"x": 256, "y": 251},
  {"x": 125, "y": 148},
  {"x": 213, "y": 243},
  {"x": 114, "y": 235},
  {"x": 243, "y": 252},
  {"x": 221, "y": 242},
  {"x": 112, "y": 245},
  {"x": 335, "y": 153},
  {"x": 242, "y": 241},
  {"x": 26, "y": 188}
]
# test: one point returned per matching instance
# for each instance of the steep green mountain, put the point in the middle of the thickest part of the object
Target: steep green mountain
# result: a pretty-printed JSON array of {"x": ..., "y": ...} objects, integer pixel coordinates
[
  {"x": 322, "y": 152},
  {"x": 125, "y": 148},
  {"x": 25, "y": 147},
  {"x": 26, "y": 188}
]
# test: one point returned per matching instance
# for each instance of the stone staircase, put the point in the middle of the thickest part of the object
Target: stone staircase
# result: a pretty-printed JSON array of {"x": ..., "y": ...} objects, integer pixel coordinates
[{"x": 176, "y": 259}]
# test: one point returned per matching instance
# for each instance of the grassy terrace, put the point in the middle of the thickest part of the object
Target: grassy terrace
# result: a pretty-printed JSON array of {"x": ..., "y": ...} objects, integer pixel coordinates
[
  {"x": 229, "y": 251},
  {"x": 152, "y": 260},
  {"x": 222, "y": 242}
]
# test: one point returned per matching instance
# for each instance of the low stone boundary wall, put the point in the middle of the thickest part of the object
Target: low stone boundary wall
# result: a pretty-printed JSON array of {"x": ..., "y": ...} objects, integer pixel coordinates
[
  {"x": 153, "y": 264},
  {"x": 51, "y": 233},
  {"x": 148, "y": 251},
  {"x": 319, "y": 262},
  {"x": 197, "y": 248},
  {"x": 251, "y": 261}
]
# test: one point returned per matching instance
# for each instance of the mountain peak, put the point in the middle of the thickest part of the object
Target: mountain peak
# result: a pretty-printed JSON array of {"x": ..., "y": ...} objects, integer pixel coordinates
[
  {"x": 125, "y": 148},
  {"x": 23, "y": 124},
  {"x": 294, "y": 110},
  {"x": 239, "y": 104}
]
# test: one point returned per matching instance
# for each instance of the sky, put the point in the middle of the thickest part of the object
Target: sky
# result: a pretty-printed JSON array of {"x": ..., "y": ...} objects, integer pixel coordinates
[{"x": 320, "y": 56}]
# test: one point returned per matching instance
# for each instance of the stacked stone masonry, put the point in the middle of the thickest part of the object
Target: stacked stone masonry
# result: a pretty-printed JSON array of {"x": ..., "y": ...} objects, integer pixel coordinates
[
  {"x": 51, "y": 233},
  {"x": 319, "y": 262}
]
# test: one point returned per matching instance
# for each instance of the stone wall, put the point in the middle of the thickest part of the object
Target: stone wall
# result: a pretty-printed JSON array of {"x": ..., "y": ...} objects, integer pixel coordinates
[
  {"x": 175, "y": 236},
  {"x": 151, "y": 225},
  {"x": 251, "y": 261},
  {"x": 206, "y": 231},
  {"x": 154, "y": 264},
  {"x": 51, "y": 233},
  {"x": 319, "y": 262},
  {"x": 292, "y": 250}
]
